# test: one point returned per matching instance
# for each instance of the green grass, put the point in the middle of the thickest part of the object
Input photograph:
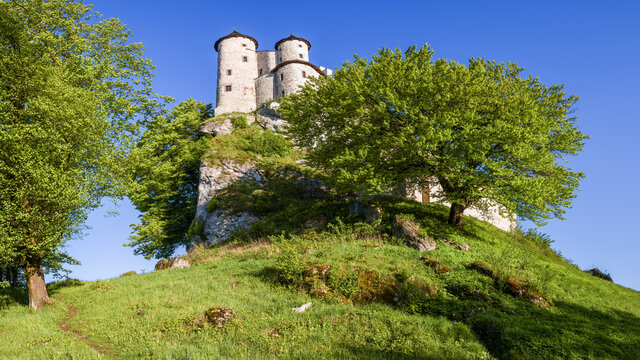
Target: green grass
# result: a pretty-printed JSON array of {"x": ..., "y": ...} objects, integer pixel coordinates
[
  {"x": 376, "y": 300},
  {"x": 433, "y": 316}
]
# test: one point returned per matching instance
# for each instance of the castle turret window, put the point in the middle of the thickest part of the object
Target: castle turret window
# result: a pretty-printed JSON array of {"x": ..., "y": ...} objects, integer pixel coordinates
[
  {"x": 283, "y": 92},
  {"x": 281, "y": 76},
  {"x": 301, "y": 57},
  {"x": 227, "y": 88},
  {"x": 244, "y": 59},
  {"x": 260, "y": 71},
  {"x": 304, "y": 74},
  {"x": 228, "y": 72}
]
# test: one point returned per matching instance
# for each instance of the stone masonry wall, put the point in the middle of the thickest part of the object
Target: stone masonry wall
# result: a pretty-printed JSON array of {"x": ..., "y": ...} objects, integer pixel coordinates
[
  {"x": 266, "y": 61},
  {"x": 292, "y": 50},
  {"x": 232, "y": 53},
  {"x": 492, "y": 215},
  {"x": 292, "y": 76},
  {"x": 265, "y": 88}
]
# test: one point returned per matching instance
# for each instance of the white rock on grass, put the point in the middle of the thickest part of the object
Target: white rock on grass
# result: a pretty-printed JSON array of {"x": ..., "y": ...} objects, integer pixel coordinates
[{"x": 302, "y": 308}]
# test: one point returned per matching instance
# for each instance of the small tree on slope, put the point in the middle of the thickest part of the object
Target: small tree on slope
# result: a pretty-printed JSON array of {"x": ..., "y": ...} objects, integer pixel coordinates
[
  {"x": 70, "y": 87},
  {"x": 481, "y": 130}
]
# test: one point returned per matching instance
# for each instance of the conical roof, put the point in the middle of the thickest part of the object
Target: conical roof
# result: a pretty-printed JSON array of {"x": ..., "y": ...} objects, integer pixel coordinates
[
  {"x": 291, "y": 37},
  {"x": 232, "y": 35}
]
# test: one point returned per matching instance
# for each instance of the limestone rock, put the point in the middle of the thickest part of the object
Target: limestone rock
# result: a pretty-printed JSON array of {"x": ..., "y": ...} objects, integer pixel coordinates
[
  {"x": 408, "y": 232},
  {"x": 436, "y": 265},
  {"x": 455, "y": 245},
  {"x": 172, "y": 263},
  {"x": 268, "y": 118},
  {"x": 302, "y": 308},
  {"x": 219, "y": 316},
  {"x": 316, "y": 222},
  {"x": 218, "y": 127},
  {"x": 220, "y": 225},
  {"x": 368, "y": 212}
]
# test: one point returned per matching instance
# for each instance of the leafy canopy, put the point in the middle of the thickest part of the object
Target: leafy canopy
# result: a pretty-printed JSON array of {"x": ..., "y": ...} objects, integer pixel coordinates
[
  {"x": 166, "y": 169},
  {"x": 71, "y": 86},
  {"x": 482, "y": 131}
]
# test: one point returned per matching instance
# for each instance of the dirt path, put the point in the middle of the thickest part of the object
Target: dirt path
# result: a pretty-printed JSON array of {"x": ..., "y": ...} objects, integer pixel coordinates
[{"x": 103, "y": 349}]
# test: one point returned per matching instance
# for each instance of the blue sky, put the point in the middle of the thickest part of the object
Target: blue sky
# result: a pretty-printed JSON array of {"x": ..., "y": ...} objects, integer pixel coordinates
[{"x": 591, "y": 46}]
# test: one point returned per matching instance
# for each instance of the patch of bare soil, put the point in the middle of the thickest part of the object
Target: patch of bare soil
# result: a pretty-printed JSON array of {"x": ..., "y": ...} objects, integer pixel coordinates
[{"x": 101, "y": 348}]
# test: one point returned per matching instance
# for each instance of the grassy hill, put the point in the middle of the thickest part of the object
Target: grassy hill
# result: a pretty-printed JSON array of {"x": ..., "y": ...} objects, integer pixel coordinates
[
  {"x": 481, "y": 294},
  {"x": 508, "y": 297}
]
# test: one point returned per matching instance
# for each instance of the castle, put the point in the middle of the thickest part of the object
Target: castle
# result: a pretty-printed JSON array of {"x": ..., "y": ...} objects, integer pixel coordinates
[{"x": 248, "y": 77}]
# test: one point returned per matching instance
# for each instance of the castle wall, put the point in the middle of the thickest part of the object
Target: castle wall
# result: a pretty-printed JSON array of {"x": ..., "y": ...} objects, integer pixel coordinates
[
  {"x": 292, "y": 50},
  {"x": 291, "y": 77},
  {"x": 266, "y": 61},
  {"x": 492, "y": 215},
  {"x": 238, "y": 55},
  {"x": 265, "y": 88}
]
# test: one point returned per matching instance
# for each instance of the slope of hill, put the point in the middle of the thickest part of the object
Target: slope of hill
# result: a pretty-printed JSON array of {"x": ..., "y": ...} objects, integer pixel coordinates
[
  {"x": 482, "y": 293},
  {"x": 373, "y": 297}
]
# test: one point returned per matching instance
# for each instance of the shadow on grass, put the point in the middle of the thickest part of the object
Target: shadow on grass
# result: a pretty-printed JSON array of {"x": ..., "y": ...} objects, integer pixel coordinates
[
  {"x": 10, "y": 297},
  {"x": 372, "y": 353},
  {"x": 54, "y": 287},
  {"x": 569, "y": 331}
]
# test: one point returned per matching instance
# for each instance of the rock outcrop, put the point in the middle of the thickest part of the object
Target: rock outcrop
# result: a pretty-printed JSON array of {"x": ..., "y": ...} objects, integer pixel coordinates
[
  {"x": 172, "y": 263},
  {"x": 408, "y": 231},
  {"x": 220, "y": 224}
]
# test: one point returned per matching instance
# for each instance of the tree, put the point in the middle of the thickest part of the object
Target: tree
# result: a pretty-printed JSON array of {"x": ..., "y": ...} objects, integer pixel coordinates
[
  {"x": 166, "y": 171},
  {"x": 70, "y": 89},
  {"x": 485, "y": 133}
]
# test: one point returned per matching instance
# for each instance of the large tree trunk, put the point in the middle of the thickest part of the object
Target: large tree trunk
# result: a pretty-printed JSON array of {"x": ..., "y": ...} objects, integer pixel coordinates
[
  {"x": 36, "y": 286},
  {"x": 455, "y": 215}
]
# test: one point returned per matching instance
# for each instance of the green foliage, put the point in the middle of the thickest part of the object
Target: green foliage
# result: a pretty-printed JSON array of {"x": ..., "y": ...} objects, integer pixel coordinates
[
  {"x": 251, "y": 143},
  {"x": 239, "y": 122},
  {"x": 71, "y": 87},
  {"x": 484, "y": 132},
  {"x": 213, "y": 205},
  {"x": 344, "y": 280},
  {"x": 397, "y": 307},
  {"x": 196, "y": 228},
  {"x": 536, "y": 236},
  {"x": 165, "y": 174},
  {"x": 288, "y": 265},
  {"x": 268, "y": 144}
]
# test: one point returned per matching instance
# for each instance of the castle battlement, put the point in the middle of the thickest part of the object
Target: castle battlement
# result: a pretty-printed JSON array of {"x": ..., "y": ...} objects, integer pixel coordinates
[{"x": 248, "y": 77}]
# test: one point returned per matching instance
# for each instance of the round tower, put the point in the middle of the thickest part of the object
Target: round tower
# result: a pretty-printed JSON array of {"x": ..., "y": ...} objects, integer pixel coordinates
[
  {"x": 292, "y": 48},
  {"x": 237, "y": 70}
]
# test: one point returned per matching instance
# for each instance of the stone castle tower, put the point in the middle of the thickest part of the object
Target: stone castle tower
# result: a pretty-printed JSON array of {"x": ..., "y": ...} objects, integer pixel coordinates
[{"x": 248, "y": 77}]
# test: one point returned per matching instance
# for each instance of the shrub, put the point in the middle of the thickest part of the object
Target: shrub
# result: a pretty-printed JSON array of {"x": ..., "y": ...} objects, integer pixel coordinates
[
  {"x": 344, "y": 281},
  {"x": 599, "y": 274},
  {"x": 195, "y": 229},
  {"x": 213, "y": 205},
  {"x": 239, "y": 122},
  {"x": 289, "y": 267},
  {"x": 267, "y": 143}
]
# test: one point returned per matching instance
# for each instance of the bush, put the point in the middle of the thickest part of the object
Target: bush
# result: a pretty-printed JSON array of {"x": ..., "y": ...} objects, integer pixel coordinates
[
  {"x": 267, "y": 143},
  {"x": 289, "y": 267},
  {"x": 344, "y": 281},
  {"x": 536, "y": 237},
  {"x": 239, "y": 122},
  {"x": 213, "y": 205},
  {"x": 195, "y": 229}
]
